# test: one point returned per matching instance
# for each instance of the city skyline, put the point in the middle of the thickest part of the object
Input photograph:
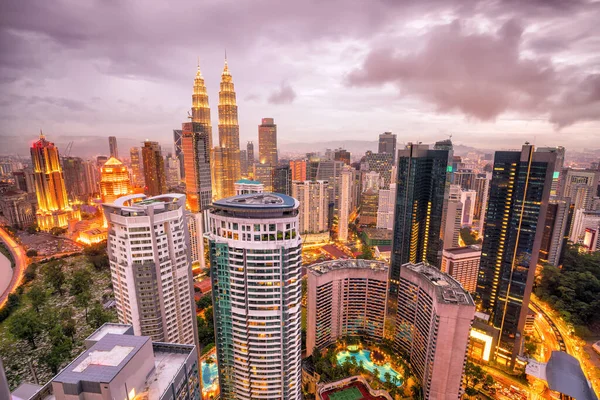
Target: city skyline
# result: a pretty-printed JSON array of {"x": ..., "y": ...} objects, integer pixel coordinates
[{"x": 544, "y": 43}]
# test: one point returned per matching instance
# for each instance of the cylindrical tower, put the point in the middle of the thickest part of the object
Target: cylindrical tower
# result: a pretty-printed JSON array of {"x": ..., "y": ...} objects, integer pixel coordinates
[{"x": 255, "y": 254}]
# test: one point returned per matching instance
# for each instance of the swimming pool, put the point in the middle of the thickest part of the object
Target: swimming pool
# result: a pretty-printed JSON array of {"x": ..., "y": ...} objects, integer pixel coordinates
[
  {"x": 210, "y": 376},
  {"x": 365, "y": 357}
]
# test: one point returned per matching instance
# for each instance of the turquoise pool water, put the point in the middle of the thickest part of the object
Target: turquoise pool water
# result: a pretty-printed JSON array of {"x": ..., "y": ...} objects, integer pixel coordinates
[
  {"x": 365, "y": 357},
  {"x": 210, "y": 375}
]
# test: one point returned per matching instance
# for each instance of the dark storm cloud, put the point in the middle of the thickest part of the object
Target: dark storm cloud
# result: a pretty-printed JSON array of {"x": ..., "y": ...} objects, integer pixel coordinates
[
  {"x": 580, "y": 102},
  {"x": 285, "y": 94},
  {"x": 480, "y": 75}
]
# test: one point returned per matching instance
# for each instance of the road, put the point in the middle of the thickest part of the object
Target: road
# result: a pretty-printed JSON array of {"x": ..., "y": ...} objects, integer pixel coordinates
[
  {"x": 571, "y": 344},
  {"x": 21, "y": 261}
]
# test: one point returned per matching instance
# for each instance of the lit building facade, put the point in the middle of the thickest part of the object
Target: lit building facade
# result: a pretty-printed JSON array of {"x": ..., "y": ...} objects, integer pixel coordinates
[
  {"x": 155, "y": 177},
  {"x": 18, "y": 208},
  {"x": 452, "y": 218},
  {"x": 250, "y": 154},
  {"x": 298, "y": 168},
  {"x": 381, "y": 163},
  {"x": 255, "y": 257},
  {"x": 267, "y": 142},
  {"x": 148, "y": 249},
  {"x": 421, "y": 193},
  {"x": 246, "y": 186},
  {"x": 342, "y": 155},
  {"x": 229, "y": 140},
  {"x": 368, "y": 207},
  {"x": 432, "y": 328},
  {"x": 385, "y": 207},
  {"x": 264, "y": 173},
  {"x": 558, "y": 167},
  {"x": 137, "y": 173},
  {"x": 514, "y": 225},
  {"x": 345, "y": 298},
  {"x": 114, "y": 180},
  {"x": 54, "y": 209},
  {"x": 556, "y": 231},
  {"x": 462, "y": 263},
  {"x": 196, "y": 147},
  {"x": 482, "y": 187},
  {"x": 313, "y": 211},
  {"x": 346, "y": 203}
]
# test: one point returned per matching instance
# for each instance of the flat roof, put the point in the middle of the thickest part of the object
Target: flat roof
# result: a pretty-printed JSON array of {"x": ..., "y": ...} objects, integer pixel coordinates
[
  {"x": 166, "y": 366},
  {"x": 464, "y": 250},
  {"x": 104, "y": 360},
  {"x": 564, "y": 375},
  {"x": 447, "y": 288},
  {"x": 117, "y": 329},
  {"x": 333, "y": 265},
  {"x": 258, "y": 201},
  {"x": 378, "y": 233}
]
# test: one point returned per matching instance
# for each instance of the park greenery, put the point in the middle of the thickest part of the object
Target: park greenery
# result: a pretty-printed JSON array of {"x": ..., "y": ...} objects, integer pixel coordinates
[
  {"x": 476, "y": 379},
  {"x": 469, "y": 237},
  {"x": 572, "y": 290},
  {"x": 206, "y": 327},
  {"x": 44, "y": 323}
]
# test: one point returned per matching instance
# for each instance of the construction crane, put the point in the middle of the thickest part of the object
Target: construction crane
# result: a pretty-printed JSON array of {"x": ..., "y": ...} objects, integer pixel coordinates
[{"x": 69, "y": 147}]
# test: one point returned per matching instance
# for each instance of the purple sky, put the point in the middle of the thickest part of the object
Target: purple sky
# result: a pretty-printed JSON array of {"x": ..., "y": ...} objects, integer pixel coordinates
[{"x": 491, "y": 73}]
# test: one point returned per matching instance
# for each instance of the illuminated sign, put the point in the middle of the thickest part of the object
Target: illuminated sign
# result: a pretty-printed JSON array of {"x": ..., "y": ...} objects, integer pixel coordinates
[
  {"x": 449, "y": 168},
  {"x": 555, "y": 175}
]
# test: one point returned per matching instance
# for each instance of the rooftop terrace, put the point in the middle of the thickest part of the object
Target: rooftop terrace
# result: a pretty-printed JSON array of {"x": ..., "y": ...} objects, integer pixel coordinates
[
  {"x": 328, "y": 266},
  {"x": 447, "y": 288}
]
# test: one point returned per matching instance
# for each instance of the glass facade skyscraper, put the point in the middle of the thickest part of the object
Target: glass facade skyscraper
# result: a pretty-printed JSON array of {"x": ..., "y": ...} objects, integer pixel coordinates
[
  {"x": 514, "y": 226},
  {"x": 255, "y": 257}
]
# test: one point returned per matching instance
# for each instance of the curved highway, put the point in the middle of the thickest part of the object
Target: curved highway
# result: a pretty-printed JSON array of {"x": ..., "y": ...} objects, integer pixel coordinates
[{"x": 20, "y": 264}]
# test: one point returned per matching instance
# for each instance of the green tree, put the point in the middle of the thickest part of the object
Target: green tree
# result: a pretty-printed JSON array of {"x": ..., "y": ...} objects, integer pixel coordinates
[
  {"x": 81, "y": 281},
  {"x": 55, "y": 276},
  {"x": 30, "y": 272},
  {"x": 68, "y": 322},
  {"x": 204, "y": 302},
  {"x": 83, "y": 300},
  {"x": 37, "y": 297},
  {"x": 31, "y": 253},
  {"x": 25, "y": 326},
  {"x": 98, "y": 316},
  {"x": 60, "y": 350}
]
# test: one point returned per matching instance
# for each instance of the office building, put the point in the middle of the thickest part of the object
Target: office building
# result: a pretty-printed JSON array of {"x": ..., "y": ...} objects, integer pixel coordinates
[
  {"x": 468, "y": 198},
  {"x": 75, "y": 182},
  {"x": 313, "y": 210},
  {"x": 452, "y": 219},
  {"x": 148, "y": 249},
  {"x": 298, "y": 168},
  {"x": 385, "y": 207},
  {"x": 556, "y": 231},
  {"x": 586, "y": 229},
  {"x": 264, "y": 173},
  {"x": 196, "y": 148},
  {"x": 371, "y": 181},
  {"x": 114, "y": 180},
  {"x": 177, "y": 136},
  {"x": 112, "y": 145},
  {"x": 558, "y": 167},
  {"x": 54, "y": 209},
  {"x": 345, "y": 298},
  {"x": 18, "y": 208},
  {"x": 172, "y": 171},
  {"x": 257, "y": 303},
  {"x": 368, "y": 207},
  {"x": 346, "y": 204},
  {"x": 24, "y": 180},
  {"x": 244, "y": 163},
  {"x": 514, "y": 225},
  {"x": 464, "y": 178},
  {"x": 580, "y": 185},
  {"x": 482, "y": 189},
  {"x": 247, "y": 186},
  {"x": 267, "y": 142},
  {"x": 91, "y": 176},
  {"x": 282, "y": 180},
  {"x": 330, "y": 171},
  {"x": 119, "y": 365},
  {"x": 342, "y": 155},
  {"x": 229, "y": 139},
  {"x": 195, "y": 226},
  {"x": 462, "y": 263},
  {"x": 137, "y": 173},
  {"x": 432, "y": 328},
  {"x": 250, "y": 154},
  {"x": 381, "y": 163},
  {"x": 154, "y": 169},
  {"x": 387, "y": 144}
]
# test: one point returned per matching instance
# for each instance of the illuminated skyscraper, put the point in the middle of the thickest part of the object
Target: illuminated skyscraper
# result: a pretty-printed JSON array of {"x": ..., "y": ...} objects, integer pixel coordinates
[
  {"x": 420, "y": 197},
  {"x": 250, "y": 154},
  {"x": 298, "y": 168},
  {"x": 229, "y": 139},
  {"x": 53, "y": 205},
  {"x": 267, "y": 142},
  {"x": 313, "y": 210},
  {"x": 112, "y": 144},
  {"x": 196, "y": 153},
  {"x": 114, "y": 180},
  {"x": 136, "y": 167},
  {"x": 257, "y": 303},
  {"x": 154, "y": 169},
  {"x": 514, "y": 226}
]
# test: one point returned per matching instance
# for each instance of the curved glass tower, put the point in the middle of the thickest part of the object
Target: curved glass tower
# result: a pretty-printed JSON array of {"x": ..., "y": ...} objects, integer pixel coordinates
[{"x": 255, "y": 254}]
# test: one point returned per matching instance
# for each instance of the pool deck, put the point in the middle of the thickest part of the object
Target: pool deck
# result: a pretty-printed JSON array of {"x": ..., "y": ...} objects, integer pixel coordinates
[{"x": 365, "y": 356}]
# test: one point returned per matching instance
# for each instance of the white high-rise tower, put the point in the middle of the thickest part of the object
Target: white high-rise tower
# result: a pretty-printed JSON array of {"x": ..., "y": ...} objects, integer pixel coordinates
[
  {"x": 150, "y": 266},
  {"x": 255, "y": 256}
]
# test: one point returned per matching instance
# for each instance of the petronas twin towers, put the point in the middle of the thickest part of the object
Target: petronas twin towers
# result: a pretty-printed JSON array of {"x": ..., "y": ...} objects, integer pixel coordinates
[{"x": 224, "y": 159}]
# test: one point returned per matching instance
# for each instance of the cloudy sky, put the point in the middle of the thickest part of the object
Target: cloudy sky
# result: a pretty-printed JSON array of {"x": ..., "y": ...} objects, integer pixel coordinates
[{"x": 491, "y": 73}]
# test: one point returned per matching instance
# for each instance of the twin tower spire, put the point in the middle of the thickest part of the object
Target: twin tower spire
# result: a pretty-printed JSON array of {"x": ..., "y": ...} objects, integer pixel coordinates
[{"x": 225, "y": 158}]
